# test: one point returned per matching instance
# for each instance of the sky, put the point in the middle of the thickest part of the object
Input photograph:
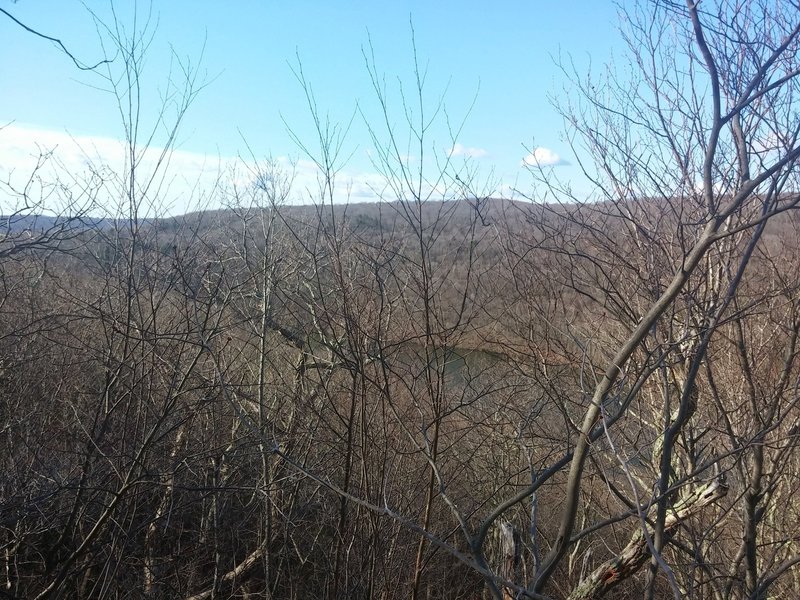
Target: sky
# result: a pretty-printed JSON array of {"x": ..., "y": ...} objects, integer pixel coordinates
[{"x": 490, "y": 66}]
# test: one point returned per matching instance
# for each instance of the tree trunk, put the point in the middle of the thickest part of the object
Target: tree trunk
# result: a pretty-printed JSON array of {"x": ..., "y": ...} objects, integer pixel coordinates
[{"x": 511, "y": 552}]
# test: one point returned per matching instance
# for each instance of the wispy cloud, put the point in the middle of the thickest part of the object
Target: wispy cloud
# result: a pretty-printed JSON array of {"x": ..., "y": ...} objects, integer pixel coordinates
[
  {"x": 543, "y": 157},
  {"x": 184, "y": 180},
  {"x": 469, "y": 152},
  {"x": 172, "y": 181}
]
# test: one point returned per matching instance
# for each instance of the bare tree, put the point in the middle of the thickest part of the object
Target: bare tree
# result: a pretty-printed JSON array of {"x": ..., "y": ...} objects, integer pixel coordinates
[
  {"x": 442, "y": 394},
  {"x": 686, "y": 182}
]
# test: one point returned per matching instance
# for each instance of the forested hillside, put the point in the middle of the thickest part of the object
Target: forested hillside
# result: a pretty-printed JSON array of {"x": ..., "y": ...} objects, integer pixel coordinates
[
  {"x": 310, "y": 401},
  {"x": 442, "y": 394}
]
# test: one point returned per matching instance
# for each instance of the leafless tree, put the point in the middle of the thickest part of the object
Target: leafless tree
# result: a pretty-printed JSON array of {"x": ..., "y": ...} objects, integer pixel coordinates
[{"x": 441, "y": 394}]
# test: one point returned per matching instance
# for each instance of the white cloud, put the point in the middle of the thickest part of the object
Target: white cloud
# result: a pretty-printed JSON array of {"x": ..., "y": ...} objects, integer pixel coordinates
[
  {"x": 349, "y": 186},
  {"x": 175, "y": 182},
  {"x": 543, "y": 157},
  {"x": 187, "y": 182},
  {"x": 460, "y": 150}
]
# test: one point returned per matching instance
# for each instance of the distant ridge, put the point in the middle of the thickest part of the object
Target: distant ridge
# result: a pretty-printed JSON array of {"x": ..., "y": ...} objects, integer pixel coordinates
[{"x": 20, "y": 223}]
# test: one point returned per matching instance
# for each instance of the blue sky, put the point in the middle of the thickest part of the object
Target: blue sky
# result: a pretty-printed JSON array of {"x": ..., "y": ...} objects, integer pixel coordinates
[{"x": 499, "y": 55}]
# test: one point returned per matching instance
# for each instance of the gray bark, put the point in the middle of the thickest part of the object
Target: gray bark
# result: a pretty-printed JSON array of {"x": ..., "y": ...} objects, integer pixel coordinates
[{"x": 634, "y": 556}]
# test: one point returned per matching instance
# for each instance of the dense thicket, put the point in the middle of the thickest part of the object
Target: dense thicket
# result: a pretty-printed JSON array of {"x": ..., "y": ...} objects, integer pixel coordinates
[
  {"x": 250, "y": 403},
  {"x": 439, "y": 395}
]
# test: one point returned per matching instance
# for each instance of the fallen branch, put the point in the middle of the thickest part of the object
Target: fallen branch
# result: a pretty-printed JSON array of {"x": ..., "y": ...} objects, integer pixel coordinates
[{"x": 636, "y": 553}]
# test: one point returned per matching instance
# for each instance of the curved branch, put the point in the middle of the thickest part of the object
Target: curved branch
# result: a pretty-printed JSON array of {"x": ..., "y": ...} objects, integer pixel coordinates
[{"x": 57, "y": 42}]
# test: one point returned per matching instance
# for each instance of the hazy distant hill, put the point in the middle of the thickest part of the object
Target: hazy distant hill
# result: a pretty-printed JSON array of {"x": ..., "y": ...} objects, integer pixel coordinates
[{"x": 19, "y": 223}]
